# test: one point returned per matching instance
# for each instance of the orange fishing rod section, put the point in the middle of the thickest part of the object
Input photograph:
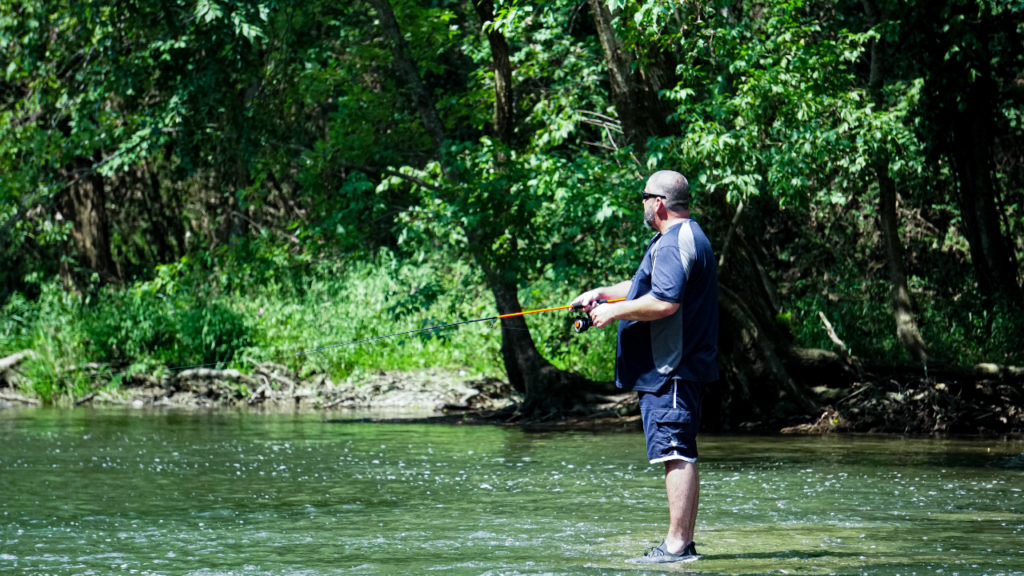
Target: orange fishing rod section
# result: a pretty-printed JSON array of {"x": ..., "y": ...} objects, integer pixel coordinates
[{"x": 513, "y": 315}]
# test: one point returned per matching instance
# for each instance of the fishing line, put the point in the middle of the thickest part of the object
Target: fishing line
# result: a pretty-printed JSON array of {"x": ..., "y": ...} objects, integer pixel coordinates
[{"x": 581, "y": 323}]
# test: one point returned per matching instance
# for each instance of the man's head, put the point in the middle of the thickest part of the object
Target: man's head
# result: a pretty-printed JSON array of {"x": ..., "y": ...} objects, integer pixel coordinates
[{"x": 671, "y": 194}]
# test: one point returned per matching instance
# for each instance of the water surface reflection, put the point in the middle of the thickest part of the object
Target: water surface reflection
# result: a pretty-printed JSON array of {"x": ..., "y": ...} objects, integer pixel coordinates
[{"x": 95, "y": 492}]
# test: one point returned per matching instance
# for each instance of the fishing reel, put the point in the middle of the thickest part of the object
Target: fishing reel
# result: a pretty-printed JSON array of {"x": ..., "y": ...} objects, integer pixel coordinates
[{"x": 581, "y": 321}]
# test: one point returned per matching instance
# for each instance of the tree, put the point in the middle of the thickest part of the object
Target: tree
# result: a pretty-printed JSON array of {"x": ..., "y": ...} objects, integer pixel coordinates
[
  {"x": 968, "y": 53},
  {"x": 491, "y": 234},
  {"x": 633, "y": 92},
  {"x": 906, "y": 326}
]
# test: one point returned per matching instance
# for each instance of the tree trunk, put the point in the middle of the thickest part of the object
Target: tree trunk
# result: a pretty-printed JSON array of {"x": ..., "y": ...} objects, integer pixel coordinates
[
  {"x": 753, "y": 348},
  {"x": 91, "y": 233},
  {"x": 753, "y": 368},
  {"x": 410, "y": 75},
  {"x": 634, "y": 95},
  {"x": 972, "y": 135},
  {"x": 903, "y": 308},
  {"x": 548, "y": 390},
  {"x": 168, "y": 232},
  {"x": 504, "y": 113}
]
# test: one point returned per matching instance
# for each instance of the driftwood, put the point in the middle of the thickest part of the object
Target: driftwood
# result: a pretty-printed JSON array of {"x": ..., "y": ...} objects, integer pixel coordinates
[
  {"x": 230, "y": 375},
  {"x": 285, "y": 377},
  {"x": 9, "y": 375},
  {"x": 260, "y": 392},
  {"x": 815, "y": 366},
  {"x": 88, "y": 397},
  {"x": 336, "y": 401},
  {"x": 834, "y": 337},
  {"x": 947, "y": 372},
  {"x": 844, "y": 352},
  {"x": 90, "y": 367},
  {"x": 284, "y": 382},
  {"x": 10, "y": 397},
  {"x": 274, "y": 367},
  {"x": 13, "y": 360},
  {"x": 143, "y": 379}
]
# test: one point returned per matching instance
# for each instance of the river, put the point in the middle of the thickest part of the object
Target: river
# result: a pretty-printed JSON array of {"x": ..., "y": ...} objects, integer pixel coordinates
[{"x": 136, "y": 492}]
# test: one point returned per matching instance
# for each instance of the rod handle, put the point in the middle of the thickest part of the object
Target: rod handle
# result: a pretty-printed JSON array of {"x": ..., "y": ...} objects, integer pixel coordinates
[{"x": 579, "y": 307}]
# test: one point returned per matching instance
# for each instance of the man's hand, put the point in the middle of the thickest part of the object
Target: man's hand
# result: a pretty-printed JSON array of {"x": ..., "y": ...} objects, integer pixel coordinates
[
  {"x": 643, "y": 309},
  {"x": 603, "y": 314},
  {"x": 588, "y": 299}
]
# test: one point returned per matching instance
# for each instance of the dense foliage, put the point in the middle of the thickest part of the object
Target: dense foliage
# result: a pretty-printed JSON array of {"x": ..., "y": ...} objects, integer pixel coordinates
[{"x": 211, "y": 182}]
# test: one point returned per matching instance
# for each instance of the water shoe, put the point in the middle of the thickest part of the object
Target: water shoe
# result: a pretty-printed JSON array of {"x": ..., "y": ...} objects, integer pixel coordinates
[{"x": 660, "y": 555}]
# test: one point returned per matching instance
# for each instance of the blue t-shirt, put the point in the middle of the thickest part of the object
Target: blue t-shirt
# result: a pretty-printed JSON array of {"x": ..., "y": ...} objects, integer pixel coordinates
[{"x": 678, "y": 267}]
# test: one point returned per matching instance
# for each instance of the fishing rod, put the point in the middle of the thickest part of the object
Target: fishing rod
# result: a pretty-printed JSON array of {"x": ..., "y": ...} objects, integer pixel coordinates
[{"x": 581, "y": 323}]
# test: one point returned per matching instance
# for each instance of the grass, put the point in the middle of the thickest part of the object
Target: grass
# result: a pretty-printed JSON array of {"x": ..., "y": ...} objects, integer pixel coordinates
[{"x": 185, "y": 317}]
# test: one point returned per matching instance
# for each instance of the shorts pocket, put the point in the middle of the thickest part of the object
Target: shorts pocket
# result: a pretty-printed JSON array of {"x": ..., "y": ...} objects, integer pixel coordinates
[
  {"x": 672, "y": 431},
  {"x": 674, "y": 417}
]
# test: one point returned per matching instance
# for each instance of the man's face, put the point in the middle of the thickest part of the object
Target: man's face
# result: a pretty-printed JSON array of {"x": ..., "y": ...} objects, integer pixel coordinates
[{"x": 649, "y": 212}]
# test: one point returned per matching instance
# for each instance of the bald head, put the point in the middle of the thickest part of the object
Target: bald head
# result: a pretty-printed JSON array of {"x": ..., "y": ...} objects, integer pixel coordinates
[{"x": 673, "y": 186}]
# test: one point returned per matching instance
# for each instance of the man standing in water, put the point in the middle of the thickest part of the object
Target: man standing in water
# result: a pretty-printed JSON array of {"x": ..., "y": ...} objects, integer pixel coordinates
[{"x": 668, "y": 331}]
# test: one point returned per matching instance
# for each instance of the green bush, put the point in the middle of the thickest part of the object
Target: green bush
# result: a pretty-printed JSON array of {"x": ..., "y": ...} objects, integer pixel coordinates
[
  {"x": 210, "y": 334},
  {"x": 142, "y": 327},
  {"x": 128, "y": 326}
]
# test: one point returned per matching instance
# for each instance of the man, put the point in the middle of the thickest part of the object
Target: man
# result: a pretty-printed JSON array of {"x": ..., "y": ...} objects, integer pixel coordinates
[{"x": 668, "y": 330}]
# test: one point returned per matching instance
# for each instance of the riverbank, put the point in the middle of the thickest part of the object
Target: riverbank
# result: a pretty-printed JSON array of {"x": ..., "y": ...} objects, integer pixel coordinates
[
  {"x": 272, "y": 386},
  {"x": 983, "y": 400}
]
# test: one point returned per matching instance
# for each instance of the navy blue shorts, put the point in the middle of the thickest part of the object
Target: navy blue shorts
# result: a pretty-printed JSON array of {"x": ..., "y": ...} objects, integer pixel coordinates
[{"x": 671, "y": 418}]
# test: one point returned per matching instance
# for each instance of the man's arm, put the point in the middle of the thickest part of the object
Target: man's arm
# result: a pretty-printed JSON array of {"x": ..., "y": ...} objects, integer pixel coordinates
[
  {"x": 612, "y": 292},
  {"x": 645, "y": 308}
]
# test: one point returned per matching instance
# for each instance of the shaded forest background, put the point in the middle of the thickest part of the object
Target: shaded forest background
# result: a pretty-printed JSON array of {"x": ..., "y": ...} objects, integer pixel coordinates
[{"x": 215, "y": 182}]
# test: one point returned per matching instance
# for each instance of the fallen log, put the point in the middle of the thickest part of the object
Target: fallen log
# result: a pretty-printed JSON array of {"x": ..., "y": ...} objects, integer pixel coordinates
[
  {"x": 143, "y": 379},
  {"x": 10, "y": 397},
  {"x": 261, "y": 392},
  {"x": 272, "y": 368},
  {"x": 814, "y": 365},
  {"x": 229, "y": 375},
  {"x": 90, "y": 367},
  {"x": 279, "y": 373},
  {"x": 284, "y": 382},
  {"x": 85, "y": 398},
  {"x": 822, "y": 366},
  {"x": 13, "y": 360},
  {"x": 336, "y": 401}
]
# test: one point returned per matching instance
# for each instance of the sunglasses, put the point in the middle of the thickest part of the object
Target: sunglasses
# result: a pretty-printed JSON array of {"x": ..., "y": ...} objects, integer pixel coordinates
[{"x": 644, "y": 195}]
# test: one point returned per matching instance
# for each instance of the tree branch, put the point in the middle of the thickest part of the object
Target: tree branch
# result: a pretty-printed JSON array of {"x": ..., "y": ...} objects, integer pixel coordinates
[
  {"x": 410, "y": 75},
  {"x": 375, "y": 171}
]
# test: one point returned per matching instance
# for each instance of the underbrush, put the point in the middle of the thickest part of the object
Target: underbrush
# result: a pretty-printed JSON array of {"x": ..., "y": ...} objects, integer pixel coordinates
[
  {"x": 187, "y": 316},
  {"x": 964, "y": 331}
]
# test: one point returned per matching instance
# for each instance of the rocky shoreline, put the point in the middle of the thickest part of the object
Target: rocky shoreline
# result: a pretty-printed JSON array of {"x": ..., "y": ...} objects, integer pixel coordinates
[
  {"x": 276, "y": 387},
  {"x": 941, "y": 403}
]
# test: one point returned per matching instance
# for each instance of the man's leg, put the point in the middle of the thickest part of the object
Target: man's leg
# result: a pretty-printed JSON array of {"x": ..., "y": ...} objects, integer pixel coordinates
[{"x": 682, "y": 483}]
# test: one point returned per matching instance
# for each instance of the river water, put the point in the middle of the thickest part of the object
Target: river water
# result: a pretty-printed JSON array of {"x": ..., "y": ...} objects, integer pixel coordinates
[{"x": 131, "y": 492}]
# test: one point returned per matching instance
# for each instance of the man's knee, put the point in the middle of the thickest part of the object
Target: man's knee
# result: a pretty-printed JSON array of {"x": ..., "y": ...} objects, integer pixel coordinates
[{"x": 678, "y": 464}]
